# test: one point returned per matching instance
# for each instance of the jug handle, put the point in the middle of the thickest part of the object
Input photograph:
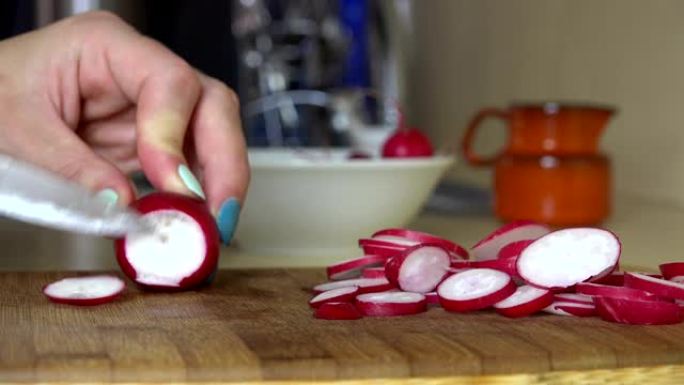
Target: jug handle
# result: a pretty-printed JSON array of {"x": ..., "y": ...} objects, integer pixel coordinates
[{"x": 466, "y": 144}]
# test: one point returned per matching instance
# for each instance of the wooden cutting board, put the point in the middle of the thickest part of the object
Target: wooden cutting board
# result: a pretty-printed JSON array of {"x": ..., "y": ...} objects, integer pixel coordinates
[{"x": 256, "y": 325}]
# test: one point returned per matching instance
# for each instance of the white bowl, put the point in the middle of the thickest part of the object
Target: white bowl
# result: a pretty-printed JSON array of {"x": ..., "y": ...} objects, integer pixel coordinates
[{"x": 318, "y": 203}]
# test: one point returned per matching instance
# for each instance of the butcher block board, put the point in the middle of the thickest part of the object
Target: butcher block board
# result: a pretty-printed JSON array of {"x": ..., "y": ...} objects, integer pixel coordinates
[{"x": 255, "y": 325}]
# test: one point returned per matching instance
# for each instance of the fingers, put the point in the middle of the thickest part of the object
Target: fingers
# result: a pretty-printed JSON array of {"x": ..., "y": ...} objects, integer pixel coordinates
[{"x": 221, "y": 153}]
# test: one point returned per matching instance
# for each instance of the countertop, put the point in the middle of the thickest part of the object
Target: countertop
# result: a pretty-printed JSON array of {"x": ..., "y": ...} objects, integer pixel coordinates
[{"x": 650, "y": 232}]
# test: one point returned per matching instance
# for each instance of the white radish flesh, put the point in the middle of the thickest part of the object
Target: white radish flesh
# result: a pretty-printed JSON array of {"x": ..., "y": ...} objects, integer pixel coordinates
[
  {"x": 474, "y": 289},
  {"x": 571, "y": 309},
  {"x": 525, "y": 301},
  {"x": 342, "y": 294},
  {"x": 391, "y": 303},
  {"x": 85, "y": 291},
  {"x": 657, "y": 286},
  {"x": 489, "y": 247},
  {"x": 352, "y": 267},
  {"x": 418, "y": 269},
  {"x": 574, "y": 297},
  {"x": 365, "y": 285}
]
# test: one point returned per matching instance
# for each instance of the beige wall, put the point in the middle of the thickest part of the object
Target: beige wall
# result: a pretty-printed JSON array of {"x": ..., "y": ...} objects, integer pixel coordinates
[{"x": 630, "y": 53}]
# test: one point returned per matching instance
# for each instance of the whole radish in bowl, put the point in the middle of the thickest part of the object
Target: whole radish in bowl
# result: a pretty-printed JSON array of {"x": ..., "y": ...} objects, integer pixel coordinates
[
  {"x": 180, "y": 253},
  {"x": 407, "y": 143}
]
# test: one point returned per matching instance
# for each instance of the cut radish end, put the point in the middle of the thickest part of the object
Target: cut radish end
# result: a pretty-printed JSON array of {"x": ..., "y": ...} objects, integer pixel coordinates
[
  {"x": 566, "y": 257},
  {"x": 366, "y": 285},
  {"x": 392, "y": 303},
  {"x": 489, "y": 247},
  {"x": 673, "y": 271},
  {"x": 352, "y": 268},
  {"x": 574, "y": 298},
  {"x": 342, "y": 294},
  {"x": 572, "y": 309},
  {"x": 337, "y": 311},
  {"x": 85, "y": 291},
  {"x": 636, "y": 312},
  {"x": 418, "y": 269},
  {"x": 373, "y": 272},
  {"x": 525, "y": 301},
  {"x": 474, "y": 289},
  {"x": 183, "y": 250},
  {"x": 513, "y": 249},
  {"x": 657, "y": 286},
  {"x": 432, "y": 298},
  {"x": 595, "y": 289},
  {"x": 412, "y": 238}
]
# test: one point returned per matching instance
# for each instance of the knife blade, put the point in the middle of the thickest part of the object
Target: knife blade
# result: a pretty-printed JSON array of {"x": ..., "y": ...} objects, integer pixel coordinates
[{"x": 34, "y": 195}]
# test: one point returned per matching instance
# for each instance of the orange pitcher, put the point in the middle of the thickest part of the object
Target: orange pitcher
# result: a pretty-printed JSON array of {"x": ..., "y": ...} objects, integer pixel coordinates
[{"x": 551, "y": 170}]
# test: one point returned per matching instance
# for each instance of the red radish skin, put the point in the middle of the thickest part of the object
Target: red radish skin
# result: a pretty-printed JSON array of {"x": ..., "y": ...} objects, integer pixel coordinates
[
  {"x": 366, "y": 285},
  {"x": 571, "y": 309},
  {"x": 193, "y": 213},
  {"x": 352, "y": 267},
  {"x": 566, "y": 257},
  {"x": 657, "y": 286},
  {"x": 513, "y": 249},
  {"x": 407, "y": 143},
  {"x": 342, "y": 294},
  {"x": 85, "y": 291},
  {"x": 421, "y": 237},
  {"x": 474, "y": 289},
  {"x": 618, "y": 278},
  {"x": 673, "y": 271},
  {"x": 418, "y": 269},
  {"x": 595, "y": 289},
  {"x": 391, "y": 303},
  {"x": 574, "y": 298},
  {"x": 507, "y": 265},
  {"x": 526, "y": 301},
  {"x": 337, "y": 311},
  {"x": 432, "y": 298},
  {"x": 373, "y": 272},
  {"x": 633, "y": 312},
  {"x": 489, "y": 247}
]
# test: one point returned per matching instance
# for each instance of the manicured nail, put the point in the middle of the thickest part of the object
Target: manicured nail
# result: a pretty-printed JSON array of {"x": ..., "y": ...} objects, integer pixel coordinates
[
  {"x": 108, "y": 195},
  {"x": 227, "y": 219},
  {"x": 190, "y": 180}
]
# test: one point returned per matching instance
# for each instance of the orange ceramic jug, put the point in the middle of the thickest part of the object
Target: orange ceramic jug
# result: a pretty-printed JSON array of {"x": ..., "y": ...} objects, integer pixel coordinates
[{"x": 551, "y": 170}]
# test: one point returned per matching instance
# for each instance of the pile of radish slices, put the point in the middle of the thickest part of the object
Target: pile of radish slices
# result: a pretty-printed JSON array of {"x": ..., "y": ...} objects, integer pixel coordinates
[{"x": 521, "y": 269}]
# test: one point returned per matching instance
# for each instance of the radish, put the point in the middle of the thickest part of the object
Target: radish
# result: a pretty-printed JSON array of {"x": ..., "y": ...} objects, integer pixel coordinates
[
  {"x": 382, "y": 247},
  {"x": 635, "y": 312},
  {"x": 618, "y": 278},
  {"x": 489, "y": 247},
  {"x": 657, "y": 286},
  {"x": 673, "y": 271},
  {"x": 595, "y": 289},
  {"x": 391, "y": 303},
  {"x": 373, "y": 272},
  {"x": 513, "y": 249},
  {"x": 342, "y": 294},
  {"x": 412, "y": 238},
  {"x": 474, "y": 289},
  {"x": 564, "y": 258},
  {"x": 572, "y": 309},
  {"x": 407, "y": 143},
  {"x": 337, "y": 311},
  {"x": 183, "y": 250},
  {"x": 418, "y": 269},
  {"x": 85, "y": 291},
  {"x": 352, "y": 267},
  {"x": 366, "y": 285},
  {"x": 432, "y": 298},
  {"x": 525, "y": 301},
  {"x": 574, "y": 298}
]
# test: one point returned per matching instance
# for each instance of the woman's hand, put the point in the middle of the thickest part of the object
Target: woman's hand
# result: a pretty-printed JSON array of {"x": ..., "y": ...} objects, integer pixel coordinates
[{"x": 92, "y": 99}]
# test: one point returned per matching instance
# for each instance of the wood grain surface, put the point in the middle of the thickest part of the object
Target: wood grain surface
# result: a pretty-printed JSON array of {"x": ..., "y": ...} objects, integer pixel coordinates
[{"x": 256, "y": 325}]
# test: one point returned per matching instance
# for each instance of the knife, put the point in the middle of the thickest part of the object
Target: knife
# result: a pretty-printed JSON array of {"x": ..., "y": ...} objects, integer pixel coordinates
[{"x": 34, "y": 195}]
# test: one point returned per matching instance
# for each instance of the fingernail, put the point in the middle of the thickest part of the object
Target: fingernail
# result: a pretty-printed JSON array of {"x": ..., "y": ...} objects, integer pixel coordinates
[
  {"x": 108, "y": 196},
  {"x": 227, "y": 219},
  {"x": 190, "y": 180}
]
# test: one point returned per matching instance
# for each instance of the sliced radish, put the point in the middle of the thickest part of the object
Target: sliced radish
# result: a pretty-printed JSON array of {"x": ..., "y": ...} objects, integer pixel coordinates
[
  {"x": 85, "y": 291},
  {"x": 379, "y": 247},
  {"x": 574, "y": 298},
  {"x": 391, "y": 303},
  {"x": 183, "y": 250},
  {"x": 474, "y": 289},
  {"x": 657, "y": 286},
  {"x": 513, "y": 249},
  {"x": 418, "y": 269},
  {"x": 373, "y": 272},
  {"x": 489, "y": 247},
  {"x": 432, "y": 298},
  {"x": 618, "y": 278},
  {"x": 507, "y": 265},
  {"x": 634, "y": 312},
  {"x": 342, "y": 294},
  {"x": 573, "y": 309},
  {"x": 366, "y": 285},
  {"x": 595, "y": 289},
  {"x": 525, "y": 301},
  {"x": 566, "y": 257},
  {"x": 337, "y": 311},
  {"x": 352, "y": 267},
  {"x": 673, "y": 271},
  {"x": 412, "y": 238}
]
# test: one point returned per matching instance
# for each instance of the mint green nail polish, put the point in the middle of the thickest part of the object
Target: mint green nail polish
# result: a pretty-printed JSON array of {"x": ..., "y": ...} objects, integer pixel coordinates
[
  {"x": 108, "y": 196},
  {"x": 190, "y": 180}
]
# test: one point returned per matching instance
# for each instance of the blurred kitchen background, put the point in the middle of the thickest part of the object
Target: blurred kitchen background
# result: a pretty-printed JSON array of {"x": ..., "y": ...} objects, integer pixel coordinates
[{"x": 441, "y": 59}]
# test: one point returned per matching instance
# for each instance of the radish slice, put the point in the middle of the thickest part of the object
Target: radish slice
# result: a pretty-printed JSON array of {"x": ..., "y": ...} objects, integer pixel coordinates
[
  {"x": 566, "y": 257},
  {"x": 634, "y": 312},
  {"x": 432, "y": 298},
  {"x": 571, "y": 309},
  {"x": 412, "y": 238},
  {"x": 595, "y": 289},
  {"x": 507, "y": 265},
  {"x": 366, "y": 285},
  {"x": 574, "y": 298},
  {"x": 673, "y": 271},
  {"x": 391, "y": 303},
  {"x": 352, "y": 267},
  {"x": 373, "y": 272},
  {"x": 342, "y": 294},
  {"x": 618, "y": 279},
  {"x": 474, "y": 289},
  {"x": 418, "y": 269},
  {"x": 382, "y": 248},
  {"x": 85, "y": 291},
  {"x": 657, "y": 286},
  {"x": 513, "y": 249},
  {"x": 489, "y": 247},
  {"x": 337, "y": 311},
  {"x": 525, "y": 301}
]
